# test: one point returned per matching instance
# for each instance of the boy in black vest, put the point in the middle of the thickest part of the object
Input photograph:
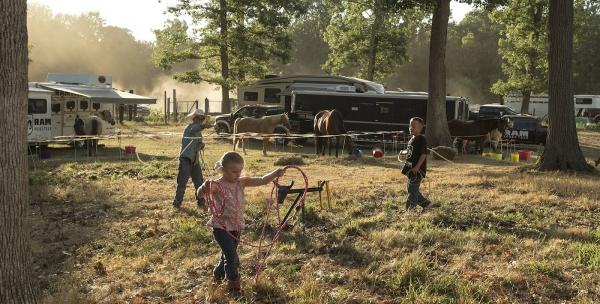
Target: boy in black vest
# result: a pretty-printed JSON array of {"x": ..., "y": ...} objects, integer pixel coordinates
[{"x": 415, "y": 166}]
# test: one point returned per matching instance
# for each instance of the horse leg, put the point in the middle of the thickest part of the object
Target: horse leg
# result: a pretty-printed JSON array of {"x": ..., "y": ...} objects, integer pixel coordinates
[
  {"x": 329, "y": 146},
  {"x": 317, "y": 145},
  {"x": 337, "y": 145}
]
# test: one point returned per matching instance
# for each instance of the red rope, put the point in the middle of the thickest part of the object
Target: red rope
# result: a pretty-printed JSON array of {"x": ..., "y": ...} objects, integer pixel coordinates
[{"x": 271, "y": 205}]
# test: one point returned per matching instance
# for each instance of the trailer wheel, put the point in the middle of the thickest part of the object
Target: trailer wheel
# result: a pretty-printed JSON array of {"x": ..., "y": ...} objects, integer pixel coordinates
[
  {"x": 597, "y": 119},
  {"x": 221, "y": 128}
]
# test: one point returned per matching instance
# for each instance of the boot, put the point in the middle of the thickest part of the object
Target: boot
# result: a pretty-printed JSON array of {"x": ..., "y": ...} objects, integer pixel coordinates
[{"x": 234, "y": 286}]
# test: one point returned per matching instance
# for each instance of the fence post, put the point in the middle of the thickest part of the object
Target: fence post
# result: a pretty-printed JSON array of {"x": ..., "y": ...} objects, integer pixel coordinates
[
  {"x": 168, "y": 108},
  {"x": 197, "y": 105},
  {"x": 130, "y": 109},
  {"x": 175, "y": 105},
  {"x": 206, "y": 106},
  {"x": 166, "y": 118}
]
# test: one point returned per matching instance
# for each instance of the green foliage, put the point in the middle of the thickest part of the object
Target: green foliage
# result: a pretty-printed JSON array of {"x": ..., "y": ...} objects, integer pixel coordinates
[
  {"x": 369, "y": 30},
  {"x": 256, "y": 33},
  {"x": 189, "y": 232},
  {"x": 523, "y": 47},
  {"x": 588, "y": 254},
  {"x": 586, "y": 37}
]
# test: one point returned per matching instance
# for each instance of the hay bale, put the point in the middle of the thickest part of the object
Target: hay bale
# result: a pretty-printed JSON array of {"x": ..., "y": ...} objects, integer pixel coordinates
[
  {"x": 448, "y": 153},
  {"x": 289, "y": 161}
]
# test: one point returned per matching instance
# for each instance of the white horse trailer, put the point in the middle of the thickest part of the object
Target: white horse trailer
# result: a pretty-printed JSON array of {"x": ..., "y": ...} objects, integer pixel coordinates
[
  {"x": 272, "y": 90},
  {"x": 39, "y": 119},
  {"x": 73, "y": 95},
  {"x": 538, "y": 105}
]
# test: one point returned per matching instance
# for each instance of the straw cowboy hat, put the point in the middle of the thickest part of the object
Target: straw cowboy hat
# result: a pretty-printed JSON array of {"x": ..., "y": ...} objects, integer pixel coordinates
[{"x": 196, "y": 113}]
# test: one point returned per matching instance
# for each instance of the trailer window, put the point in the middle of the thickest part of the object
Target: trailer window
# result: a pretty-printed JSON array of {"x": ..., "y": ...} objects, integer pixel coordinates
[
  {"x": 250, "y": 96},
  {"x": 96, "y": 106},
  {"x": 37, "y": 106},
  {"x": 83, "y": 105},
  {"x": 272, "y": 95},
  {"x": 56, "y": 108},
  {"x": 70, "y": 105},
  {"x": 583, "y": 101}
]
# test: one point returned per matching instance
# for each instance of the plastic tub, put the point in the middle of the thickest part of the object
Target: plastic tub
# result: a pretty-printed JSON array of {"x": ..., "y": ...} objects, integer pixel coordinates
[
  {"x": 524, "y": 155},
  {"x": 514, "y": 157}
]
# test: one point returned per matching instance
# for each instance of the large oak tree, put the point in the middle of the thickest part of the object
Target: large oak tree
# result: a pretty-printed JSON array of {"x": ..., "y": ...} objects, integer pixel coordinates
[
  {"x": 562, "y": 151},
  {"x": 16, "y": 282}
]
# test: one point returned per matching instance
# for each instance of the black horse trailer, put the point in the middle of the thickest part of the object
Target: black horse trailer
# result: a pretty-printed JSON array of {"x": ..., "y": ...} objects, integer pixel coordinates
[{"x": 366, "y": 112}]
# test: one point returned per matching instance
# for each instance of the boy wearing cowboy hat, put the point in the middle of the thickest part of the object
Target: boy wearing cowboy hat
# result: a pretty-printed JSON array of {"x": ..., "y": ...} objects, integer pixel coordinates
[{"x": 189, "y": 158}]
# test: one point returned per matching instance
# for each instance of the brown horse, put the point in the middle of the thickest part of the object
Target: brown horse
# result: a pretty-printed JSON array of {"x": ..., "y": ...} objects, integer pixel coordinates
[
  {"x": 263, "y": 125},
  {"x": 476, "y": 130},
  {"x": 330, "y": 123}
]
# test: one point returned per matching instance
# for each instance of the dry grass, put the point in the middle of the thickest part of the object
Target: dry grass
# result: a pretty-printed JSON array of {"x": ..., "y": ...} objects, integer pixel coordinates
[{"x": 105, "y": 232}]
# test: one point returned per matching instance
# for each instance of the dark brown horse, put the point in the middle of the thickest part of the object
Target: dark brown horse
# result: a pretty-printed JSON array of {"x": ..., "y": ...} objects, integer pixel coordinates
[
  {"x": 330, "y": 123},
  {"x": 476, "y": 130}
]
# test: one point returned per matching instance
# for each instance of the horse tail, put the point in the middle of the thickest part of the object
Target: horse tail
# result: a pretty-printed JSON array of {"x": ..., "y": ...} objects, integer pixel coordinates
[{"x": 339, "y": 120}]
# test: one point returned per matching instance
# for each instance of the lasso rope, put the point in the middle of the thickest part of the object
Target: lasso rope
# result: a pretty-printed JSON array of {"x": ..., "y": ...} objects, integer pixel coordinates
[{"x": 270, "y": 206}]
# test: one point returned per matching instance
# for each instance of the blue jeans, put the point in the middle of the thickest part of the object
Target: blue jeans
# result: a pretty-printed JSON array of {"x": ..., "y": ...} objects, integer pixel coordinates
[
  {"x": 187, "y": 168},
  {"x": 229, "y": 262},
  {"x": 414, "y": 194}
]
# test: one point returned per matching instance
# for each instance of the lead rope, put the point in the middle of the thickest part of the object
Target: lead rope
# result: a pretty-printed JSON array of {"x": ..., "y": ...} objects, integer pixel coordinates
[{"x": 271, "y": 205}]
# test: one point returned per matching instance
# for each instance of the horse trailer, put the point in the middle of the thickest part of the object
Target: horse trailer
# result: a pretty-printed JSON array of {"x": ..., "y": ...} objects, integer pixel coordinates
[
  {"x": 584, "y": 105},
  {"x": 69, "y": 96},
  {"x": 275, "y": 90},
  {"x": 367, "y": 112},
  {"x": 39, "y": 118}
]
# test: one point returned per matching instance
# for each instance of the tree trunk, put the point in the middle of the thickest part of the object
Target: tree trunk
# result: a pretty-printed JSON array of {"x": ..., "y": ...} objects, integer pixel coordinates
[
  {"x": 224, "y": 54},
  {"x": 437, "y": 132},
  {"x": 562, "y": 151},
  {"x": 377, "y": 12},
  {"x": 525, "y": 102},
  {"x": 16, "y": 280}
]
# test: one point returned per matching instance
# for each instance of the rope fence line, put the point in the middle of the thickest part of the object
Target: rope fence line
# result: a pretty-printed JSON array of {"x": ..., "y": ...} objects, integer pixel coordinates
[{"x": 247, "y": 135}]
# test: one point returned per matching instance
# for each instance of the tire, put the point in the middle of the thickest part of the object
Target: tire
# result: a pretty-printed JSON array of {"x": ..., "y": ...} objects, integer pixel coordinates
[
  {"x": 221, "y": 128},
  {"x": 597, "y": 119}
]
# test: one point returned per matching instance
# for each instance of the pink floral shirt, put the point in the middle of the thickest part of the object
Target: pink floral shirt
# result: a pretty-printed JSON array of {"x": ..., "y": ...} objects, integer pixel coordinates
[{"x": 232, "y": 216}]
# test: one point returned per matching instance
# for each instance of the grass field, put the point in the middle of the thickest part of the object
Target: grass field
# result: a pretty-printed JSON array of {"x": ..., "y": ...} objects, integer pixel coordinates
[{"x": 104, "y": 231}]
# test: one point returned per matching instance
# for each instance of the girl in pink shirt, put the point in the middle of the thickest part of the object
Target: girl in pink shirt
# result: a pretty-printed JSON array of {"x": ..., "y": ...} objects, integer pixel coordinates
[{"x": 227, "y": 225}]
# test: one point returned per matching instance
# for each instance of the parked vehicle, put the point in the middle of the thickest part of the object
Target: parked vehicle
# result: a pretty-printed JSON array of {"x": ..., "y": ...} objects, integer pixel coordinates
[
  {"x": 494, "y": 111},
  {"x": 54, "y": 105},
  {"x": 275, "y": 90},
  {"x": 587, "y": 106},
  {"x": 525, "y": 129},
  {"x": 366, "y": 111},
  {"x": 224, "y": 122}
]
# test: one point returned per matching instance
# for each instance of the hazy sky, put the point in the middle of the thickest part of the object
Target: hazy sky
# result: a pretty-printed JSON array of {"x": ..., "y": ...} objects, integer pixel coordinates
[{"x": 143, "y": 16}]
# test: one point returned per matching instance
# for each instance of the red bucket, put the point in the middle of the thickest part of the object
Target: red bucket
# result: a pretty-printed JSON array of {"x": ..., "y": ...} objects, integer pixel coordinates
[
  {"x": 524, "y": 155},
  {"x": 129, "y": 149}
]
